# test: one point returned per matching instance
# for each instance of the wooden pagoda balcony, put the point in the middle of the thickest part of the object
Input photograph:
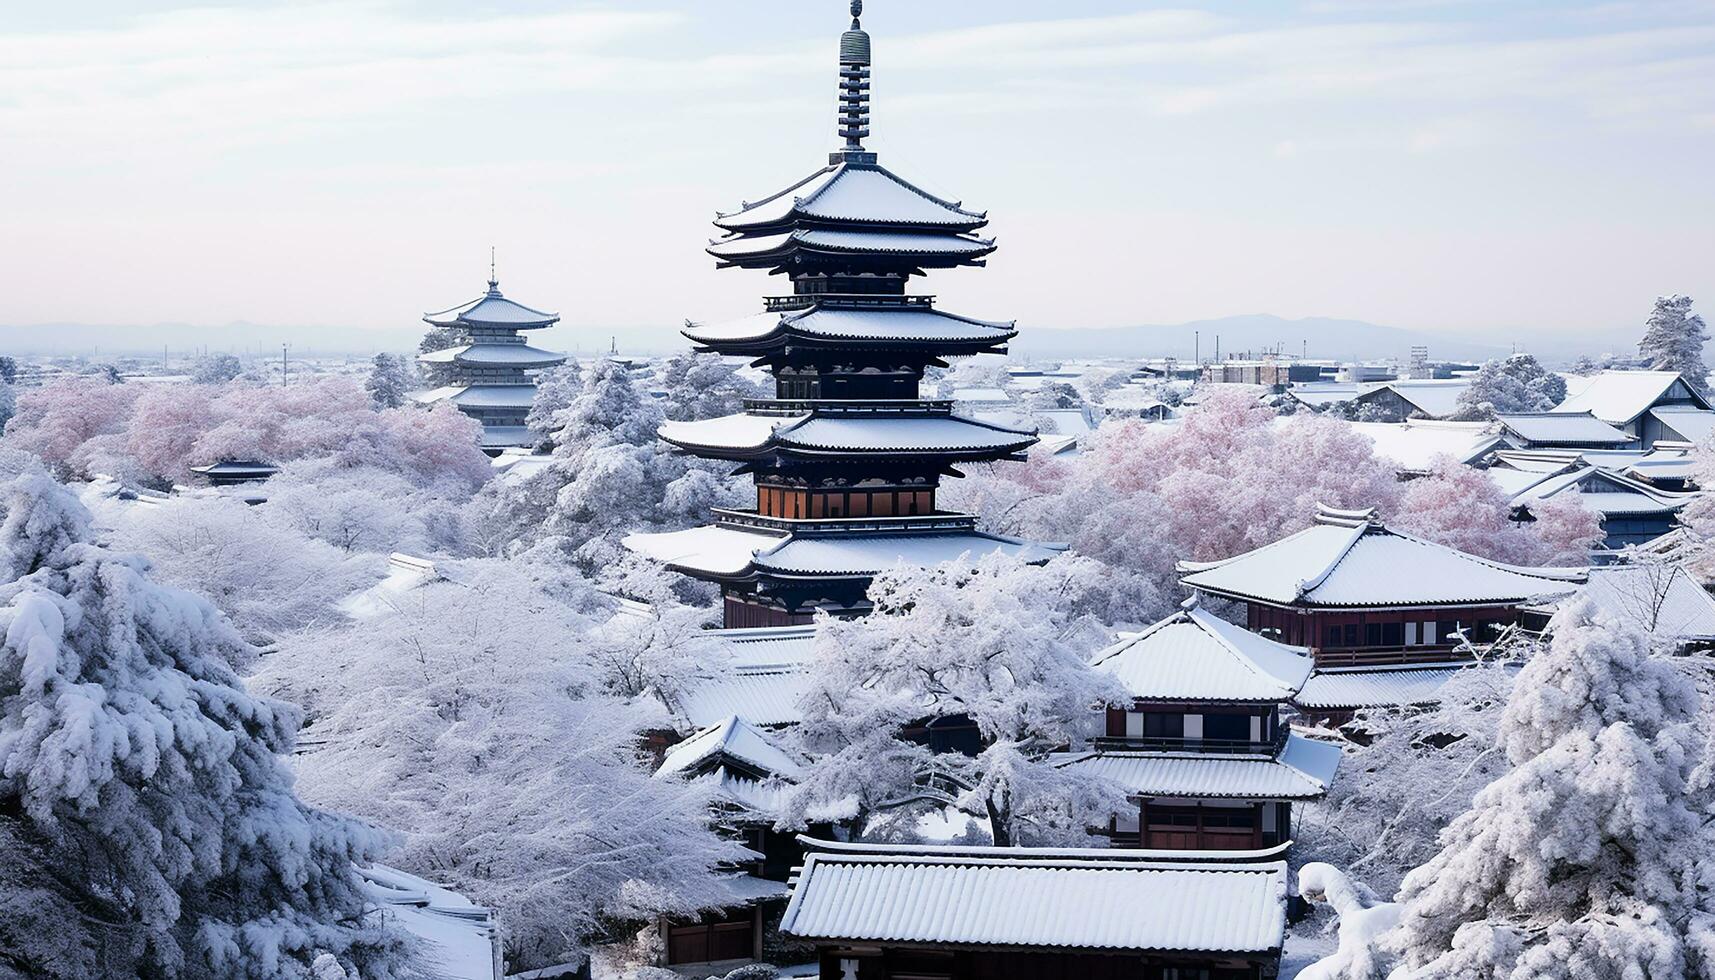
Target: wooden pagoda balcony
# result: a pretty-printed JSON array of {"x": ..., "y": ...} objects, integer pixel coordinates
[
  {"x": 849, "y": 406},
  {"x": 810, "y": 526},
  {"x": 1201, "y": 746},
  {"x": 845, "y": 301}
]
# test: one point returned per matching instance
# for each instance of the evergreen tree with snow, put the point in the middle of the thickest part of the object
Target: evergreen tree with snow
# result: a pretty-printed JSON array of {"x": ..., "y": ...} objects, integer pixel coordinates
[
  {"x": 993, "y": 643},
  {"x": 1673, "y": 341},
  {"x": 148, "y": 825},
  {"x": 1590, "y": 857},
  {"x": 704, "y": 386},
  {"x": 216, "y": 369},
  {"x": 389, "y": 381},
  {"x": 555, "y": 390},
  {"x": 1518, "y": 383},
  {"x": 8, "y": 403},
  {"x": 435, "y": 339},
  {"x": 8, "y": 369}
]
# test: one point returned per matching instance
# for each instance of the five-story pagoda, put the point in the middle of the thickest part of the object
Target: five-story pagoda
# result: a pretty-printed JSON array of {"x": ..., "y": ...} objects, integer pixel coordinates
[{"x": 848, "y": 455}]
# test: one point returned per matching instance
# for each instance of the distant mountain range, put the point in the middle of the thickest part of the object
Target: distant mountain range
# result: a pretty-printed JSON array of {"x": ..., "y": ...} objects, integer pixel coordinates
[{"x": 1318, "y": 337}]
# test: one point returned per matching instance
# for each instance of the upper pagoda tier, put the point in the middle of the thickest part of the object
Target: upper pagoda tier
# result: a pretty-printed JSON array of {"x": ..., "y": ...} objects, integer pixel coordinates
[{"x": 492, "y": 311}]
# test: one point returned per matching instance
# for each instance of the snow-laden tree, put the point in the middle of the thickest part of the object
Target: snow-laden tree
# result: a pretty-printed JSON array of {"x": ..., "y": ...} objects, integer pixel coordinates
[
  {"x": 473, "y": 721},
  {"x": 704, "y": 386},
  {"x": 1591, "y": 856},
  {"x": 435, "y": 374},
  {"x": 1584, "y": 366},
  {"x": 389, "y": 381},
  {"x": 1407, "y": 773},
  {"x": 611, "y": 475},
  {"x": 1363, "y": 921},
  {"x": 368, "y": 508},
  {"x": 8, "y": 369},
  {"x": 1459, "y": 506},
  {"x": 1055, "y": 394},
  {"x": 148, "y": 825},
  {"x": 556, "y": 388},
  {"x": 8, "y": 403},
  {"x": 996, "y": 642},
  {"x": 75, "y": 425},
  {"x": 214, "y": 369},
  {"x": 1517, "y": 383},
  {"x": 660, "y": 650},
  {"x": 267, "y": 578},
  {"x": 1673, "y": 341}
]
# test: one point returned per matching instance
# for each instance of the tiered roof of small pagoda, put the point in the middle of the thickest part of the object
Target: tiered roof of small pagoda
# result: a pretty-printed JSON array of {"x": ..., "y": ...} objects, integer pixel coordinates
[{"x": 1350, "y": 560}]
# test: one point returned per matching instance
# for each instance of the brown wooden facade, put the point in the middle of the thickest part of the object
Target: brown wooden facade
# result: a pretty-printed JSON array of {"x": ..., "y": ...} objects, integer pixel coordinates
[
  {"x": 927, "y": 962},
  {"x": 799, "y": 503},
  {"x": 1358, "y": 637}
]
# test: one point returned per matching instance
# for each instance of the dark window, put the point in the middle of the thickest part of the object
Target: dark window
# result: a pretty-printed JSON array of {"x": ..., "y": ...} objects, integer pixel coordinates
[
  {"x": 1393, "y": 634},
  {"x": 1333, "y": 639},
  {"x": 1372, "y": 634},
  {"x": 1351, "y": 634},
  {"x": 1234, "y": 728},
  {"x": 1156, "y": 725}
]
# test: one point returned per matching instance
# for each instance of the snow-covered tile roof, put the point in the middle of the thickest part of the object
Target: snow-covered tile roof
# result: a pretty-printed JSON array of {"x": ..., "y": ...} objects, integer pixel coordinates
[
  {"x": 492, "y": 309},
  {"x": 914, "y": 324},
  {"x": 712, "y": 549},
  {"x": 1370, "y": 565},
  {"x": 1194, "y": 655},
  {"x": 1302, "y": 772},
  {"x": 1071, "y": 899},
  {"x": 1695, "y": 424},
  {"x": 459, "y": 937},
  {"x": 1320, "y": 394},
  {"x": 760, "y": 696},
  {"x": 1663, "y": 599},
  {"x": 998, "y": 395},
  {"x": 749, "y": 889},
  {"x": 1564, "y": 429},
  {"x": 846, "y": 192},
  {"x": 1375, "y": 687},
  {"x": 506, "y": 437},
  {"x": 1411, "y": 446},
  {"x": 514, "y": 466},
  {"x": 1606, "y": 493},
  {"x": 502, "y": 355},
  {"x": 404, "y": 573},
  {"x": 1620, "y": 396},
  {"x": 731, "y": 738},
  {"x": 892, "y": 433}
]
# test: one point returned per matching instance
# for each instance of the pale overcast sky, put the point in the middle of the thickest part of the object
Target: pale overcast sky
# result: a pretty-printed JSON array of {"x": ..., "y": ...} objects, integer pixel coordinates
[{"x": 1471, "y": 167}]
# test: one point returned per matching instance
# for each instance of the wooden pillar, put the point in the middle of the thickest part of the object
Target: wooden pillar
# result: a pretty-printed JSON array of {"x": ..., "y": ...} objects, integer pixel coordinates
[{"x": 1143, "y": 822}]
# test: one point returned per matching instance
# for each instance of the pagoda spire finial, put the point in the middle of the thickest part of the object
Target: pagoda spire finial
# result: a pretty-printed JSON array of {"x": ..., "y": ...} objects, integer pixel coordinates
[
  {"x": 493, "y": 280},
  {"x": 854, "y": 86}
]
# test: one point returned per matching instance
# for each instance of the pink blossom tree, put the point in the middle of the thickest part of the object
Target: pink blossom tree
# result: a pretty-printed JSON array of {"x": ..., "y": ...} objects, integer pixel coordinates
[
  {"x": 1459, "y": 506},
  {"x": 59, "y": 422}
]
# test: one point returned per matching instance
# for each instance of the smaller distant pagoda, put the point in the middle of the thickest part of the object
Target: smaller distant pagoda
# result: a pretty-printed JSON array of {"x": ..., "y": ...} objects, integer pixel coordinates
[{"x": 491, "y": 372}]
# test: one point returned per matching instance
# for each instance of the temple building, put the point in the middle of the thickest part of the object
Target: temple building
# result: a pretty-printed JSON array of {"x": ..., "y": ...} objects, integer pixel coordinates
[
  {"x": 489, "y": 373},
  {"x": 1204, "y": 750},
  {"x": 902, "y": 912},
  {"x": 847, "y": 456}
]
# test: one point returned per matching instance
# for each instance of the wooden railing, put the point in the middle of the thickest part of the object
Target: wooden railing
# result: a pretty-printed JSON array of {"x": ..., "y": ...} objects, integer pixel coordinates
[
  {"x": 848, "y": 301},
  {"x": 849, "y": 406},
  {"x": 1211, "y": 746}
]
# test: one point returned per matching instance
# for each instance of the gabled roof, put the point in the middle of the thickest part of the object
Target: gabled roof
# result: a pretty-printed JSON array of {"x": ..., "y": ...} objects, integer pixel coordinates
[
  {"x": 1619, "y": 397},
  {"x": 1662, "y": 599},
  {"x": 1604, "y": 491},
  {"x": 1348, "y": 560},
  {"x": 846, "y": 192},
  {"x": 731, "y": 741},
  {"x": 745, "y": 435},
  {"x": 1411, "y": 446},
  {"x": 1084, "y": 898},
  {"x": 1694, "y": 423},
  {"x": 834, "y": 324},
  {"x": 1559, "y": 428},
  {"x": 1194, "y": 655},
  {"x": 491, "y": 309},
  {"x": 1303, "y": 771},
  {"x": 1436, "y": 399}
]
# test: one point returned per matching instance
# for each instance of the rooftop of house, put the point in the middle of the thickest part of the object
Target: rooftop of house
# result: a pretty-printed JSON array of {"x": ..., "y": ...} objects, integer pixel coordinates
[{"x": 1194, "y": 655}]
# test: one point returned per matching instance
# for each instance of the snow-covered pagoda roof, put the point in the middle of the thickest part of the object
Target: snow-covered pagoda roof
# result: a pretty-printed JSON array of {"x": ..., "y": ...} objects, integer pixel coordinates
[
  {"x": 748, "y": 436},
  {"x": 1619, "y": 397},
  {"x": 481, "y": 396},
  {"x": 937, "y": 249},
  {"x": 1303, "y": 771},
  {"x": 1563, "y": 429},
  {"x": 829, "y": 324},
  {"x": 1402, "y": 685},
  {"x": 1105, "y": 899},
  {"x": 494, "y": 355},
  {"x": 1194, "y": 655},
  {"x": 1349, "y": 560},
  {"x": 731, "y": 741},
  {"x": 492, "y": 309},
  {"x": 722, "y": 551},
  {"x": 237, "y": 470},
  {"x": 846, "y": 192},
  {"x": 762, "y": 685}
]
